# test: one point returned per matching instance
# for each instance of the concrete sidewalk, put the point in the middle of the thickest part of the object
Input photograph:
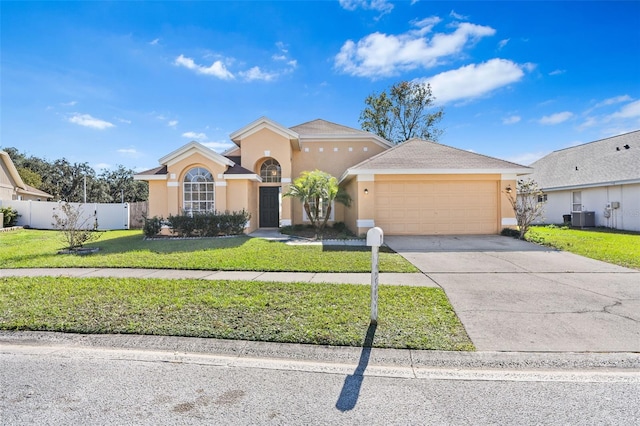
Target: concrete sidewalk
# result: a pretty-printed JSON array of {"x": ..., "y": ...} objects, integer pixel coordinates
[{"x": 413, "y": 279}]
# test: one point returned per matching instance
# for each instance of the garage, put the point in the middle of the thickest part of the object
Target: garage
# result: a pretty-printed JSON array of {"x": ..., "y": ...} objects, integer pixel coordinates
[
  {"x": 436, "y": 207},
  {"x": 425, "y": 188}
]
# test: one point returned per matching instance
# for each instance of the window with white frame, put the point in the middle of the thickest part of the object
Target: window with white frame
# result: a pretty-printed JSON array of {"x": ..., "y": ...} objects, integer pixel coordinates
[
  {"x": 325, "y": 204},
  {"x": 270, "y": 171},
  {"x": 576, "y": 201},
  {"x": 198, "y": 191}
]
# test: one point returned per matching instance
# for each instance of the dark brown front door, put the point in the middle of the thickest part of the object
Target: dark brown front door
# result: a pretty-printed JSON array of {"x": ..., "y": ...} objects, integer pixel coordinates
[{"x": 269, "y": 207}]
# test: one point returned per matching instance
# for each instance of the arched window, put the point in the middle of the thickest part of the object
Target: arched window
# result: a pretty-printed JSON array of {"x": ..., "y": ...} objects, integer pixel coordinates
[
  {"x": 270, "y": 171},
  {"x": 199, "y": 190}
]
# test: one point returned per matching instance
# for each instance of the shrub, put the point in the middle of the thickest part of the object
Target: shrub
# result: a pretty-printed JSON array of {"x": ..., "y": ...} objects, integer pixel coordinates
[
  {"x": 152, "y": 226},
  {"x": 209, "y": 224},
  {"x": 10, "y": 216},
  {"x": 75, "y": 230},
  {"x": 340, "y": 226},
  {"x": 510, "y": 232}
]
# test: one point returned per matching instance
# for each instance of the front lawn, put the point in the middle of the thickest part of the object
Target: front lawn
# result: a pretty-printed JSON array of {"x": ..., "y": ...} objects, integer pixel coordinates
[
  {"x": 128, "y": 249},
  {"x": 331, "y": 314},
  {"x": 617, "y": 247}
]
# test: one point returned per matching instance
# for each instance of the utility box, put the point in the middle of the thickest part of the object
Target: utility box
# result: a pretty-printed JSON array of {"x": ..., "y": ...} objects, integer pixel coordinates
[
  {"x": 583, "y": 219},
  {"x": 375, "y": 237}
]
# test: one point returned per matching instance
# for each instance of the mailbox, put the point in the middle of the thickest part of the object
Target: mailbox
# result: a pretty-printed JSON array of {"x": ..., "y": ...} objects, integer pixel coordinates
[{"x": 375, "y": 237}]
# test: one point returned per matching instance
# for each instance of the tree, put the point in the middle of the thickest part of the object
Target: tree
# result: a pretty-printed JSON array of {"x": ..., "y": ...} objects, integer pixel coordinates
[
  {"x": 527, "y": 204},
  {"x": 317, "y": 190},
  {"x": 122, "y": 187},
  {"x": 403, "y": 113}
]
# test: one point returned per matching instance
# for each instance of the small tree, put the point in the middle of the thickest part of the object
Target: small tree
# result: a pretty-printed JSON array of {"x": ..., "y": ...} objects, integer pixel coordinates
[
  {"x": 75, "y": 229},
  {"x": 317, "y": 190},
  {"x": 527, "y": 204}
]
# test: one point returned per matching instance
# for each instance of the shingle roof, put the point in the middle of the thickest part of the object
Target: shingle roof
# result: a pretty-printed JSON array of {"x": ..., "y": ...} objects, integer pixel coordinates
[
  {"x": 325, "y": 127},
  {"x": 237, "y": 169},
  {"x": 600, "y": 162},
  {"x": 161, "y": 170},
  {"x": 417, "y": 154},
  {"x": 35, "y": 191}
]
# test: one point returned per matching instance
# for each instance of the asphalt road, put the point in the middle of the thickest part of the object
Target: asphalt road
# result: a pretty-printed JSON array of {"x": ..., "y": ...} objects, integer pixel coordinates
[{"x": 64, "y": 384}]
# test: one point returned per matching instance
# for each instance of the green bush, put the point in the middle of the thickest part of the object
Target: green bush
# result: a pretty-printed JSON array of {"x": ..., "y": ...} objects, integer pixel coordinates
[
  {"x": 510, "y": 232},
  {"x": 10, "y": 216},
  {"x": 152, "y": 226},
  {"x": 209, "y": 224}
]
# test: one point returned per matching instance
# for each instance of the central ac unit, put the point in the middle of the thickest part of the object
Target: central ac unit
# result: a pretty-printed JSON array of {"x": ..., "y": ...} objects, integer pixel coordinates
[{"x": 583, "y": 219}]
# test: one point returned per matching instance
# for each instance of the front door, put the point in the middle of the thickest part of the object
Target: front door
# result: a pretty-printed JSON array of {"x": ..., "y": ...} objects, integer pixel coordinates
[{"x": 269, "y": 207}]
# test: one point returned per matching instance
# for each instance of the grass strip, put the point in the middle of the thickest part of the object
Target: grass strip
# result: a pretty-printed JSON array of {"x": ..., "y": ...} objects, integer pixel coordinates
[
  {"x": 328, "y": 314},
  {"x": 128, "y": 249},
  {"x": 612, "y": 246}
]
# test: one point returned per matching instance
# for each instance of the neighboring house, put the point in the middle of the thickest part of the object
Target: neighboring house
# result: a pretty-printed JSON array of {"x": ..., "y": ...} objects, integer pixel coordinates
[
  {"x": 417, "y": 187},
  {"x": 11, "y": 185},
  {"x": 598, "y": 183}
]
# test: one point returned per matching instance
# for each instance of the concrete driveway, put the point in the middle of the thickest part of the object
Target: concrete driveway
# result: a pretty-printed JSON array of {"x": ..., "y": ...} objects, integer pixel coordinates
[{"x": 512, "y": 295}]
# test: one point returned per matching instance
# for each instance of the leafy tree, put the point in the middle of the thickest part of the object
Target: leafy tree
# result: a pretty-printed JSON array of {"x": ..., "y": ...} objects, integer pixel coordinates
[
  {"x": 122, "y": 187},
  {"x": 526, "y": 203},
  {"x": 317, "y": 190},
  {"x": 403, "y": 113},
  {"x": 30, "y": 177}
]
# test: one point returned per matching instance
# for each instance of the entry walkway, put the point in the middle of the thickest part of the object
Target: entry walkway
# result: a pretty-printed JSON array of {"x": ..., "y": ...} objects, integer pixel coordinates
[{"x": 413, "y": 279}]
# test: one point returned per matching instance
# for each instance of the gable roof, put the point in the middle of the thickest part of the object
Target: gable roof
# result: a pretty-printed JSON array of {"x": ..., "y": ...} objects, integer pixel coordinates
[
  {"x": 259, "y": 124},
  {"x": 322, "y": 129},
  {"x": 417, "y": 156},
  {"x": 191, "y": 148},
  {"x": 603, "y": 162},
  {"x": 20, "y": 186}
]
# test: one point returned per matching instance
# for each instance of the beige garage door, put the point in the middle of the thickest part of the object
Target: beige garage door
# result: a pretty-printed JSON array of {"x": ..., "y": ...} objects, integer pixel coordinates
[{"x": 436, "y": 207}]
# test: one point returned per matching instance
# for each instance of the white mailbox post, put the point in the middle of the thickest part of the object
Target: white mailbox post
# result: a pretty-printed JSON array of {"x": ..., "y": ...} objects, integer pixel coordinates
[{"x": 375, "y": 238}]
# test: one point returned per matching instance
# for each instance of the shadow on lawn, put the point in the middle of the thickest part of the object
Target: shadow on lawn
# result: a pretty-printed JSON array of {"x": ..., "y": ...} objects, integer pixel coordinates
[{"x": 165, "y": 245}]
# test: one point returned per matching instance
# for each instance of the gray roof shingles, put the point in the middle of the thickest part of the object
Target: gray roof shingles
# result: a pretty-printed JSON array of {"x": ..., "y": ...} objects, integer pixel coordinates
[
  {"x": 323, "y": 127},
  {"x": 417, "y": 154},
  {"x": 600, "y": 162}
]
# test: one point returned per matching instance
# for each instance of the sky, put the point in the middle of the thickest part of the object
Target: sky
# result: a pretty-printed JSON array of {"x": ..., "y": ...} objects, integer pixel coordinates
[{"x": 125, "y": 83}]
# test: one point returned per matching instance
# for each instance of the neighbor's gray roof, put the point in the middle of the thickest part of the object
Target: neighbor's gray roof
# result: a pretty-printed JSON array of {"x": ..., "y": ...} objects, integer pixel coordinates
[
  {"x": 417, "y": 154},
  {"x": 601, "y": 162},
  {"x": 160, "y": 170}
]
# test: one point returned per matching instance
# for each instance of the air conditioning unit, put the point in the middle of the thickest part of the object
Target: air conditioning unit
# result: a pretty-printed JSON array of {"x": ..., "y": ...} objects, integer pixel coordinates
[{"x": 583, "y": 219}]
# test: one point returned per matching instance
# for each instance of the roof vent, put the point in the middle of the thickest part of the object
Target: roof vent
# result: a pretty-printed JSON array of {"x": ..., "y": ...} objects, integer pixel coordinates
[
  {"x": 627, "y": 146},
  {"x": 617, "y": 148},
  {"x": 576, "y": 167}
]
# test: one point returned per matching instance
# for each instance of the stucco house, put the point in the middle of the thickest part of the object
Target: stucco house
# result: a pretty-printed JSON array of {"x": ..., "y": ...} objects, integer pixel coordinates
[
  {"x": 417, "y": 187},
  {"x": 597, "y": 183},
  {"x": 11, "y": 185}
]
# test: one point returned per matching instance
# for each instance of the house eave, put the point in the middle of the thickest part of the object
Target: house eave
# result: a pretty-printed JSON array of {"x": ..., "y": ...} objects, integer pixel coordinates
[
  {"x": 350, "y": 172},
  {"x": 150, "y": 177},
  {"x": 188, "y": 149},
  {"x": 253, "y": 177},
  {"x": 590, "y": 185},
  {"x": 346, "y": 136},
  {"x": 262, "y": 123}
]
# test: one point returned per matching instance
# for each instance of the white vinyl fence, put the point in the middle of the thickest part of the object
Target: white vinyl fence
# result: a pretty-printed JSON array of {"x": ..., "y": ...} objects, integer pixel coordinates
[{"x": 39, "y": 214}]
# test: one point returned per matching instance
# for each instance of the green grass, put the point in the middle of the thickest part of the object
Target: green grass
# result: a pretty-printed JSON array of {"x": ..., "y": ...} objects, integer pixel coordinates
[
  {"x": 332, "y": 314},
  {"x": 619, "y": 248},
  {"x": 128, "y": 249}
]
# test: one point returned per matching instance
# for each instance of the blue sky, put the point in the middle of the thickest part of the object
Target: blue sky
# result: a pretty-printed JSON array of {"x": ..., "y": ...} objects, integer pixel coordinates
[{"x": 126, "y": 83}]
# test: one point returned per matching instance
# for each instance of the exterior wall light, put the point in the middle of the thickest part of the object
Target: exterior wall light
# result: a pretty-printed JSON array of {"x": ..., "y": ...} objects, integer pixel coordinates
[
  {"x": 366, "y": 191},
  {"x": 508, "y": 189}
]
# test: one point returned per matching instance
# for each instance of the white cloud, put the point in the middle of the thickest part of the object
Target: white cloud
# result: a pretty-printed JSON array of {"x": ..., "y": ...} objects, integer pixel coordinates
[
  {"x": 71, "y": 103},
  {"x": 128, "y": 152},
  {"x": 631, "y": 110},
  {"x": 217, "y": 69},
  {"x": 557, "y": 118},
  {"x": 194, "y": 136},
  {"x": 503, "y": 43},
  {"x": 382, "y": 6},
  {"x": 512, "y": 119},
  {"x": 473, "y": 81},
  {"x": 458, "y": 16},
  {"x": 218, "y": 146},
  {"x": 614, "y": 100},
  {"x": 123, "y": 120},
  {"x": 88, "y": 121},
  {"x": 172, "y": 123},
  {"x": 381, "y": 55},
  {"x": 256, "y": 73},
  {"x": 557, "y": 72},
  {"x": 154, "y": 42}
]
